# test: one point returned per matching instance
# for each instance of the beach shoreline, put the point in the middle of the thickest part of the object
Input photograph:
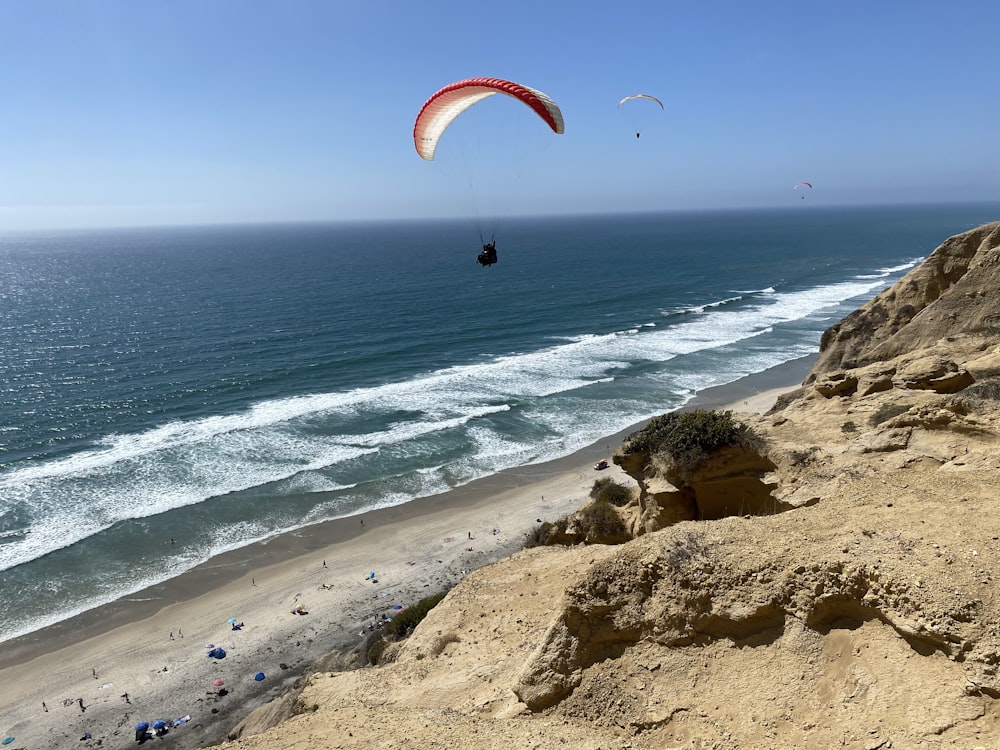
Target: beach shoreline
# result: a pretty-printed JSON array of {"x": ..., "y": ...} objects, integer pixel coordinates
[{"x": 142, "y": 657}]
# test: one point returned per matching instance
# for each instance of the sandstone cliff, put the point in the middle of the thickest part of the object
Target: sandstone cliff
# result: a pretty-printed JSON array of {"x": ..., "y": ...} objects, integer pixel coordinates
[
  {"x": 950, "y": 297},
  {"x": 853, "y": 603}
]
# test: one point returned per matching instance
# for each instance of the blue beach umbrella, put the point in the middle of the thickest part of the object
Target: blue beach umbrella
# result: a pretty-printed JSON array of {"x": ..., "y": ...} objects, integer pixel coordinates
[
  {"x": 142, "y": 726},
  {"x": 159, "y": 724},
  {"x": 231, "y": 620},
  {"x": 7, "y": 740},
  {"x": 259, "y": 676}
]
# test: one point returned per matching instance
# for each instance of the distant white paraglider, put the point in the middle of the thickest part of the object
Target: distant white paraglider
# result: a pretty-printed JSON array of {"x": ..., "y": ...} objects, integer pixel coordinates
[{"x": 634, "y": 97}]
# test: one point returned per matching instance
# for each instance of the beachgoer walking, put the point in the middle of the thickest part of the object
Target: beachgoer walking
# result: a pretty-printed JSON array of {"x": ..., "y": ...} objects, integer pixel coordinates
[
  {"x": 44, "y": 707},
  {"x": 324, "y": 563},
  {"x": 82, "y": 707},
  {"x": 179, "y": 633},
  {"x": 126, "y": 698},
  {"x": 171, "y": 635},
  {"x": 94, "y": 672},
  {"x": 253, "y": 582}
]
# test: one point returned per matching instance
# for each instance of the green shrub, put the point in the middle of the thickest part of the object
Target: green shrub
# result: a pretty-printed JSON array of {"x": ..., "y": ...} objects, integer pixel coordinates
[
  {"x": 688, "y": 438},
  {"x": 407, "y": 620},
  {"x": 376, "y": 649},
  {"x": 538, "y": 536},
  {"x": 401, "y": 626},
  {"x": 610, "y": 491},
  {"x": 546, "y": 534},
  {"x": 601, "y": 521}
]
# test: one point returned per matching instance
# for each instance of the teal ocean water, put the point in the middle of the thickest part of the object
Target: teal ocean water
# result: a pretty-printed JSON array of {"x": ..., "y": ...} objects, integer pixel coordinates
[{"x": 220, "y": 385}]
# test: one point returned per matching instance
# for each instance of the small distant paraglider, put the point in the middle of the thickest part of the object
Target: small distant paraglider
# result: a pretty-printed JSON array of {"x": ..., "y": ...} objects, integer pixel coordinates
[
  {"x": 802, "y": 184},
  {"x": 633, "y": 97}
]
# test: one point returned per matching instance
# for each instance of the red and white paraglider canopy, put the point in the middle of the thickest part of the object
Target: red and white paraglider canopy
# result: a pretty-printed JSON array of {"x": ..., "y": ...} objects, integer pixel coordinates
[{"x": 444, "y": 106}]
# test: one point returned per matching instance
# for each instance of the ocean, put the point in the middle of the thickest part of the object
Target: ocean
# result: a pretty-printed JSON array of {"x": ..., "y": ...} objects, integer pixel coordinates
[{"x": 170, "y": 394}]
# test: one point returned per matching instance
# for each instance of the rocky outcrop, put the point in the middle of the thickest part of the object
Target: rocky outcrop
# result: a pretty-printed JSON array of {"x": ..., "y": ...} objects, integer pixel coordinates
[
  {"x": 932, "y": 373},
  {"x": 952, "y": 292},
  {"x": 692, "y": 588},
  {"x": 728, "y": 482}
]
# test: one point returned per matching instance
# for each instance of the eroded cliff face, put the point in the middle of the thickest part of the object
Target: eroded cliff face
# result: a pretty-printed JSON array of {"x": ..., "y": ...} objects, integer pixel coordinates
[
  {"x": 951, "y": 294},
  {"x": 730, "y": 482},
  {"x": 867, "y": 616}
]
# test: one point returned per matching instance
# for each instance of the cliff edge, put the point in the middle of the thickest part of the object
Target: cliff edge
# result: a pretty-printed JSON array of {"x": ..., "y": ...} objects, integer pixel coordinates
[{"x": 849, "y": 600}]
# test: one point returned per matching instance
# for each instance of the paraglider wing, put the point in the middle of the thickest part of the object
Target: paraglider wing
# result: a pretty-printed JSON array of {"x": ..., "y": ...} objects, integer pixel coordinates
[
  {"x": 640, "y": 96},
  {"x": 637, "y": 114},
  {"x": 800, "y": 184},
  {"x": 444, "y": 106}
]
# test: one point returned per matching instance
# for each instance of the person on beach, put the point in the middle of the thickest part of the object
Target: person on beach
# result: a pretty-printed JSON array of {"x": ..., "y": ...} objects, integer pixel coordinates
[
  {"x": 82, "y": 707},
  {"x": 126, "y": 698}
]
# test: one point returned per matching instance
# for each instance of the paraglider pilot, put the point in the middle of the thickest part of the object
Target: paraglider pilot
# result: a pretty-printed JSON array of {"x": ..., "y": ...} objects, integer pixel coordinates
[{"x": 489, "y": 254}]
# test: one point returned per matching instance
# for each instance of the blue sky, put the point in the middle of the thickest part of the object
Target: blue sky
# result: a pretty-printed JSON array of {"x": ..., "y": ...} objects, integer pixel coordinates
[{"x": 152, "y": 112}]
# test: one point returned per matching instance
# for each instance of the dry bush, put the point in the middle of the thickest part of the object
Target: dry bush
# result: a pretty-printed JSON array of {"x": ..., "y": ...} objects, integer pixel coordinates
[{"x": 609, "y": 491}]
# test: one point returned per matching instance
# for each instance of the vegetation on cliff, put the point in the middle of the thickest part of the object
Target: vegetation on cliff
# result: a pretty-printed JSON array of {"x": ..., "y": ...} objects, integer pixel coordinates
[
  {"x": 598, "y": 522},
  {"x": 689, "y": 438},
  {"x": 609, "y": 491},
  {"x": 401, "y": 626}
]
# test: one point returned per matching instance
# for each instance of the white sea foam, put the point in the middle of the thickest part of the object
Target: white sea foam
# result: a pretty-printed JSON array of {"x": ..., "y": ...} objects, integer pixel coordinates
[{"x": 185, "y": 463}]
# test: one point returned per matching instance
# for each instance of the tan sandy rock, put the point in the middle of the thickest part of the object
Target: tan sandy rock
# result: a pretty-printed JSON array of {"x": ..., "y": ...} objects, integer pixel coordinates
[
  {"x": 852, "y": 604},
  {"x": 951, "y": 293}
]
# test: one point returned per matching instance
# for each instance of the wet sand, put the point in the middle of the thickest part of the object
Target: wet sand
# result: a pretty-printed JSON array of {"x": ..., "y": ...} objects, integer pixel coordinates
[{"x": 152, "y": 646}]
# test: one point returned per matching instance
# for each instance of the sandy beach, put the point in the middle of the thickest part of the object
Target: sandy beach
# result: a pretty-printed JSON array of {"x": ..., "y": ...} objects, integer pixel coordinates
[{"x": 146, "y": 657}]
